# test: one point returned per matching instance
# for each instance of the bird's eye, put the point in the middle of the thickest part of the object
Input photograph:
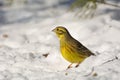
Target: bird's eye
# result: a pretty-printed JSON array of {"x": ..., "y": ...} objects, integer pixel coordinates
[{"x": 57, "y": 29}]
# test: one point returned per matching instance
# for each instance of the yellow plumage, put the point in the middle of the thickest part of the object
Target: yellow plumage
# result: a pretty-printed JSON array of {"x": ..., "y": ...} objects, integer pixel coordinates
[
  {"x": 72, "y": 50},
  {"x": 71, "y": 54}
]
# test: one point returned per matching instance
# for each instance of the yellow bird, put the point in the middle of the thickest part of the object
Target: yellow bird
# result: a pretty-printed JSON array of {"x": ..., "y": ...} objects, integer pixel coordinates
[{"x": 71, "y": 49}]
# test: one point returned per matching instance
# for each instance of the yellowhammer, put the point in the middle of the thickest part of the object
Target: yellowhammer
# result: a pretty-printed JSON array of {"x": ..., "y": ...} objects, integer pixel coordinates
[{"x": 71, "y": 49}]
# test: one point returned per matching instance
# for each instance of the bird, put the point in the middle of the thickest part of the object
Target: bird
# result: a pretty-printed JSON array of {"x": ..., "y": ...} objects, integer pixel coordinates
[{"x": 71, "y": 49}]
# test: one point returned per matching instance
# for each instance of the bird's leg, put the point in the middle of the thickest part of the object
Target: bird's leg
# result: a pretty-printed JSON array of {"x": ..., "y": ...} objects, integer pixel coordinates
[
  {"x": 77, "y": 64},
  {"x": 70, "y": 66}
]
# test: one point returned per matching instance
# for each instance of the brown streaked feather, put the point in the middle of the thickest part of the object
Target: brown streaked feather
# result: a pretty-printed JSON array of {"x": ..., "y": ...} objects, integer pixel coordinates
[{"x": 79, "y": 47}]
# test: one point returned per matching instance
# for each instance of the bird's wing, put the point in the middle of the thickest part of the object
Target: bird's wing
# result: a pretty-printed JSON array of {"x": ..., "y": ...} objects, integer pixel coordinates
[{"x": 81, "y": 48}]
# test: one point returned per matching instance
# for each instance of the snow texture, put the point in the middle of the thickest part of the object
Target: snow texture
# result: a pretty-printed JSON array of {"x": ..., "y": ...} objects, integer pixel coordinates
[{"x": 29, "y": 50}]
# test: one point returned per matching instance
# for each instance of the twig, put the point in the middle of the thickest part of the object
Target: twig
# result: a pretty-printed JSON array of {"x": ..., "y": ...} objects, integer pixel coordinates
[
  {"x": 100, "y": 65},
  {"x": 110, "y": 60}
]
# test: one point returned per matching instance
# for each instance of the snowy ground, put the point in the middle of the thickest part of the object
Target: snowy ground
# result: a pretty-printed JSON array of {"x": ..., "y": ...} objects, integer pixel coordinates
[{"x": 26, "y": 36}]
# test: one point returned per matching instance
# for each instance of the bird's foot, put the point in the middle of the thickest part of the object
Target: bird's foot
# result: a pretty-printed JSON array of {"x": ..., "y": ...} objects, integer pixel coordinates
[
  {"x": 77, "y": 65},
  {"x": 70, "y": 66}
]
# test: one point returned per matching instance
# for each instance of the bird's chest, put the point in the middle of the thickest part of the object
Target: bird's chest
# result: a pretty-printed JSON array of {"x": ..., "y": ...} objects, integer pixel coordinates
[
  {"x": 67, "y": 53},
  {"x": 64, "y": 49},
  {"x": 70, "y": 53}
]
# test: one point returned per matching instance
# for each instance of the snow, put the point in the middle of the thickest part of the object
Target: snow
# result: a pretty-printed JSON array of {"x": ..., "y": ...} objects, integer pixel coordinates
[{"x": 26, "y": 36}]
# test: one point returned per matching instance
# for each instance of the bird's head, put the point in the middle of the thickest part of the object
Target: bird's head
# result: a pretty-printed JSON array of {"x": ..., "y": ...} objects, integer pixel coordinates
[{"x": 61, "y": 32}]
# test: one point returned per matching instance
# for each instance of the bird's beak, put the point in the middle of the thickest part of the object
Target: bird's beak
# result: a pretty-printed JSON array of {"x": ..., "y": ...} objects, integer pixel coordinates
[{"x": 53, "y": 30}]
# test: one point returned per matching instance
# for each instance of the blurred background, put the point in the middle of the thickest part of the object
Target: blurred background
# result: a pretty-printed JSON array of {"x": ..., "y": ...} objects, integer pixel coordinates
[{"x": 22, "y": 11}]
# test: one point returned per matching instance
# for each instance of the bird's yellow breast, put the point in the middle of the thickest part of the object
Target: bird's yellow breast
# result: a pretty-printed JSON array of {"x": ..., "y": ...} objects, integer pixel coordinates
[{"x": 70, "y": 55}]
